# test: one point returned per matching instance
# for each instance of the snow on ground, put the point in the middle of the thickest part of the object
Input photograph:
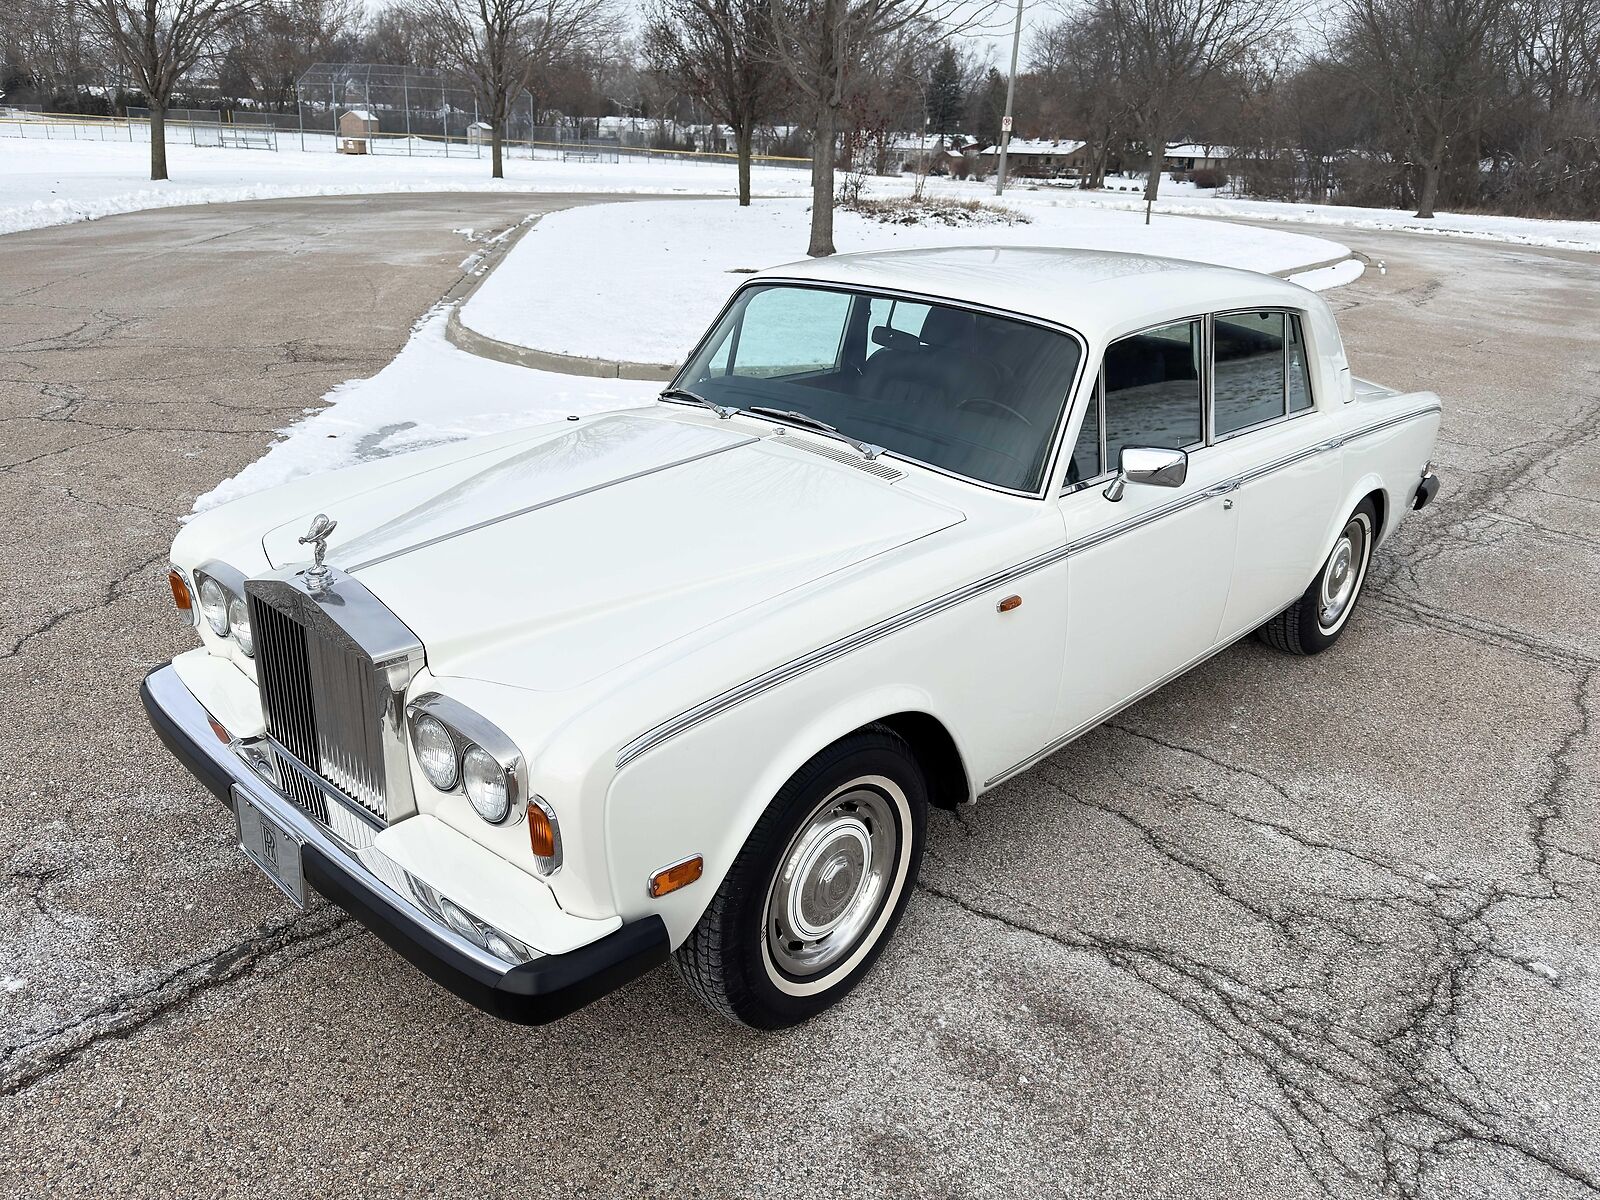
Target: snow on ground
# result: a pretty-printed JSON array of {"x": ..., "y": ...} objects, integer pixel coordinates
[
  {"x": 640, "y": 282},
  {"x": 50, "y": 182},
  {"x": 430, "y": 394},
  {"x": 1186, "y": 200},
  {"x": 55, "y": 182}
]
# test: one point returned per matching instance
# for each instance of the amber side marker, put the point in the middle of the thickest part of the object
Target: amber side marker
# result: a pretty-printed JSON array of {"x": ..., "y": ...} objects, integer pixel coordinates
[
  {"x": 180, "y": 591},
  {"x": 217, "y": 728},
  {"x": 541, "y": 837},
  {"x": 670, "y": 879},
  {"x": 1009, "y": 603}
]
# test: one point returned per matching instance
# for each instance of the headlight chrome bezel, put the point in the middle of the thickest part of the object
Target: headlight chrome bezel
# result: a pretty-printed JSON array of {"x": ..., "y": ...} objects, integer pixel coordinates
[
  {"x": 470, "y": 731},
  {"x": 229, "y": 582}
]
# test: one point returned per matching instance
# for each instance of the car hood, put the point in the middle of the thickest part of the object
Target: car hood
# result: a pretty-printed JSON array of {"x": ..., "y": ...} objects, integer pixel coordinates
[{"x": 545, "y": 565}]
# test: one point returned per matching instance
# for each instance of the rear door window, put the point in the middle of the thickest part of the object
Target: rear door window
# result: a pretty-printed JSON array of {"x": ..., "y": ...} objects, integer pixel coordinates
[{"x": 1248, "y": 382}]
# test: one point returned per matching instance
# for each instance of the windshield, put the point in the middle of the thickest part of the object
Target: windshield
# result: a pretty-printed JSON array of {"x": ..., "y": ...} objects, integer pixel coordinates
[{"x": 973, "y": 394}]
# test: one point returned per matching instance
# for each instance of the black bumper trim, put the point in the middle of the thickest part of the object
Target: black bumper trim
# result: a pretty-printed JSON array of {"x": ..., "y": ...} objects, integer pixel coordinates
[
  {"x": 532, "y": 993},
  {"x": 1426, "y": 491}
]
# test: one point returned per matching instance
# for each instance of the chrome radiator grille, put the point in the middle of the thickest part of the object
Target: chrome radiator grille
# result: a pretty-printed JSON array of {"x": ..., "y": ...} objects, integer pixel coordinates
[{"x": 329, "y": 708}]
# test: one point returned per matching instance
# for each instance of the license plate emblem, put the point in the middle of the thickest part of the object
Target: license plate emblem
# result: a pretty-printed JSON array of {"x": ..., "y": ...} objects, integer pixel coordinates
[{"x": 270, "y": 847}]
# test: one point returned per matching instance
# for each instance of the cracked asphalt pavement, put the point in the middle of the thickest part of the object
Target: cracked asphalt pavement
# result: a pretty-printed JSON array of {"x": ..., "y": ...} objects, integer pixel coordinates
[{"x": 1290, "y": 927}]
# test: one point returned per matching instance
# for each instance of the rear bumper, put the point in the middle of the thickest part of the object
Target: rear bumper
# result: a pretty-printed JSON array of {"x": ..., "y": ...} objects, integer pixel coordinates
[
  {"x": 543, "y": 989},
  {"x": 1426, "y": 490}
]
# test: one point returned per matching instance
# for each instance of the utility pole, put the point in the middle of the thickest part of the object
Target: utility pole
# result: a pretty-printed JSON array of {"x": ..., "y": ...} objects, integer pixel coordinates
[{"x": 1011, "y": 91}]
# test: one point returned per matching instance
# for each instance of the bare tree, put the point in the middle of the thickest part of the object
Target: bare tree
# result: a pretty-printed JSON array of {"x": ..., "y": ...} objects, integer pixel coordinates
[
  {"x": 821, "y": 44},
  {"x": 43, "y": 44},
  {"x": 721, "y": 52},
  {"x": 1167, "y": 51},
  {"x": 1076, "y": 62},
  {"x": 1425, "y": 62},
  {"x": 499, "y": 44},
  {"x": 160, "y": 41}
]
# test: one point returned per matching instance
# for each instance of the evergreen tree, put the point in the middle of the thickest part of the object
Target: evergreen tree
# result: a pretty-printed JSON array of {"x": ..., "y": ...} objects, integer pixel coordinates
[
  {"x": 988, "y": 107},
  {"x": 945, "y": 100}
]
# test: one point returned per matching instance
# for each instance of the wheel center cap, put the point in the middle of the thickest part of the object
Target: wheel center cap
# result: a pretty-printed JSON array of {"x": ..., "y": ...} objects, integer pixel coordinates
[{"x": 831, "y": 879}]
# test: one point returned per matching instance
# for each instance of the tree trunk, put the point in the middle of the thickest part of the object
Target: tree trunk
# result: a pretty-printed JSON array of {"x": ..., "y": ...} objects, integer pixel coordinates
[
  {"x": 742, "y": 136},
  {"x": 497, "y": 139},
  {"x": 822, "y": 182},
  {"x": 1428, "y": 186},
  {"x": 158, "y": 139}
]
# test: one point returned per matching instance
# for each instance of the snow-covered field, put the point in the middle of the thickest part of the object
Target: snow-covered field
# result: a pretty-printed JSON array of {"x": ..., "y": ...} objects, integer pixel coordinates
[
  {"x": 55, "y": 182},
  {"x": 1184, "y": 200},
  {"x": 639, "y": 282}
]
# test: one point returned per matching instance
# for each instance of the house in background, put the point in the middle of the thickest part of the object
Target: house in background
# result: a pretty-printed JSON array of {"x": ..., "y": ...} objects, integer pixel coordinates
[
  {"x": 1194, "y": 156},
  {"x": 1038, "y": 158}
]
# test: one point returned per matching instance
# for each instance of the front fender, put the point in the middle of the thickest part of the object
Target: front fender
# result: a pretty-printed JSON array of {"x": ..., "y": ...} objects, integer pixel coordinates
[{"x": 664, "y": 806}]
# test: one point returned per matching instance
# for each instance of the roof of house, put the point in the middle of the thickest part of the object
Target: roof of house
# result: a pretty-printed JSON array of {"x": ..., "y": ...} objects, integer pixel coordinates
[
  {"x": 1100, "y": 293},
  {"x": 1038, "y": 146},
  {"x": 1198, "y": 150},
  {"x": 360, "y": 114}
]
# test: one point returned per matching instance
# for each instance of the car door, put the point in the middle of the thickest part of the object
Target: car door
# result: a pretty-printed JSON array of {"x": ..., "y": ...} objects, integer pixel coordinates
[
  {"x": 1266, "y": 433},
  {"x": 1148, "y": 575}
]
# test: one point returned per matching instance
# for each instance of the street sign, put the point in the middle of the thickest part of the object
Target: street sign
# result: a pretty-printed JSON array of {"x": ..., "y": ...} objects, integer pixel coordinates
[{"x": 1005, "y": 124}]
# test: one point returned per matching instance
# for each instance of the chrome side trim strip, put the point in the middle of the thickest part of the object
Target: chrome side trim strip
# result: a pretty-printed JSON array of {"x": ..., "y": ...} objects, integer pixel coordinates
[{"x": 723, "y": 701}]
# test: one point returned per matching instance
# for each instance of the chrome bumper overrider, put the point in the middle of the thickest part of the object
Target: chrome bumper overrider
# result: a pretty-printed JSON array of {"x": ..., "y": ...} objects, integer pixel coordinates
[{"x": 512, "y": 980}]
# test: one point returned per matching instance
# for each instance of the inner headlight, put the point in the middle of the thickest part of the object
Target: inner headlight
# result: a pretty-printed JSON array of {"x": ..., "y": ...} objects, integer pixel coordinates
[
  {"x": 239, "y": 623},
  {"x": 486, "y": 785},
  {"x": 214, "y": 606},
  {"x": 436, "y": 751}
]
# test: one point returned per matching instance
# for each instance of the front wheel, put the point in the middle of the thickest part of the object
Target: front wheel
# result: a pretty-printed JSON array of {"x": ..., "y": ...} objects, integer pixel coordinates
[
  {"x": 818, "y": 888},
  {"x": 1313, "y": 623}
]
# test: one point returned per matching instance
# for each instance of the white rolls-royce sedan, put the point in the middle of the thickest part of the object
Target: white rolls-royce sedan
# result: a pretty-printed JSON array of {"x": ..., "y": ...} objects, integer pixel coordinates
[{"x": 547, "y": 708}]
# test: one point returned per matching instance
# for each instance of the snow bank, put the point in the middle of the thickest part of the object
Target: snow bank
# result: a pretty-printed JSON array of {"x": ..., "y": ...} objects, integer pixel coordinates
[
  {"x": 640, "y": 282},
  {"x": 430, "y": 394}
]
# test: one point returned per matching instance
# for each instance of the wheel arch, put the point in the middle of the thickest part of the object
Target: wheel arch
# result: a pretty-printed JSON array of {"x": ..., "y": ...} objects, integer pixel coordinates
[{"x": 753, "y": 766}]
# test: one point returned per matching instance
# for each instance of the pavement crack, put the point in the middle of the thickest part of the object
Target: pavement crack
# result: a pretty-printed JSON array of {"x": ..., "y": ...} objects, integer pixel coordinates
[{"x": 266, "y": 952}]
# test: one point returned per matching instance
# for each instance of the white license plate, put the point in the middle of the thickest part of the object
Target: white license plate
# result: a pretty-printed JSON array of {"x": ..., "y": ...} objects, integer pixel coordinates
[{"x": 270, "y": 847}]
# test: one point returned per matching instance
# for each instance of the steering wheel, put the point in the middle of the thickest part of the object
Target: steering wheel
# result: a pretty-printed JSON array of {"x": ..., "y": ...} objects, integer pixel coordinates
[{"x": 1005, "y": 409}]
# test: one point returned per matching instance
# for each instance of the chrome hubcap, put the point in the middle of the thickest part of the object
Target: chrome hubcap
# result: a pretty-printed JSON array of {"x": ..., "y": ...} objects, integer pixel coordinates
[
  {"x": 832, "y": 881},
  {"x": 1343, "y": 573}
]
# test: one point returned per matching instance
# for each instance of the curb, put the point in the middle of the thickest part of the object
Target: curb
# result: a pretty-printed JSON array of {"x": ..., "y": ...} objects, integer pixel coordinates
[
  {"x": 1330, "y": 262},
  {"x": 473, "y": 342}
]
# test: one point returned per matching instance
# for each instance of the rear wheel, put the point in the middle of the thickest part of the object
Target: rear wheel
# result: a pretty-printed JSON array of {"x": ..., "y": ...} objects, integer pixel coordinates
[
  {"x": 818, "y": 888},
  {"x": 1313, "y": 623}
]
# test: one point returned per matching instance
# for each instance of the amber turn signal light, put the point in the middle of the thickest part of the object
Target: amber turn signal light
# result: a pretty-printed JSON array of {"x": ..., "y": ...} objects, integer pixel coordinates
[
  {"x": 541, "y": 834},
  {"x": 1009, "y": 603},
  {"x": 670, "y": 879},
  {"x": 180, "y": 591}
]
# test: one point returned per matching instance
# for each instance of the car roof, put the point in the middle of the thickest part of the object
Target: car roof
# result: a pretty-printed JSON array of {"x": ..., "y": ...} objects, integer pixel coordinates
[{"x": 1100, "y": 293}]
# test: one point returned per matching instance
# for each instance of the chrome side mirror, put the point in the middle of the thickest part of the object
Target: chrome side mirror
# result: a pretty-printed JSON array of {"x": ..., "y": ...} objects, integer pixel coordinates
[{"x": 1148, "y": 464}]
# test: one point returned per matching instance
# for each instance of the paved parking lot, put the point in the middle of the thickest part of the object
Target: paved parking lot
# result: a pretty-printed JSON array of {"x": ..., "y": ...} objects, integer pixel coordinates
[{"x": 1287, "y": 928}]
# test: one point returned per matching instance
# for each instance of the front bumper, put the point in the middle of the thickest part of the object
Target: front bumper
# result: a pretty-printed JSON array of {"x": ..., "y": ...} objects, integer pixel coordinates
[{"x": 532, "y": 993}]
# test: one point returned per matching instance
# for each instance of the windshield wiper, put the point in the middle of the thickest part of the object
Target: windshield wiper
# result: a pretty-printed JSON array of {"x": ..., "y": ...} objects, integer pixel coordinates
[
  {"x": 684, "y": 394},
  {"x": 799, "y": 418}
]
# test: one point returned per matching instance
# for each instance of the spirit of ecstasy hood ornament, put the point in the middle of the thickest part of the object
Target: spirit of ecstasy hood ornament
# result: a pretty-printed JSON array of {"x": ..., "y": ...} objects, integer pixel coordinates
[{"x": 317, "y": 538}]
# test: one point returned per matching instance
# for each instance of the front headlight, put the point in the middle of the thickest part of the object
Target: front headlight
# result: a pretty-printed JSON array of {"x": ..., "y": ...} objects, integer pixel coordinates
[
  {"x": 239, "y": 624},
  {"x": 458, "y": 749},
  {"x": 214, "y": 606},
  {"x": 436, "y": 751},
  {"x": 487, "y": 785}
]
